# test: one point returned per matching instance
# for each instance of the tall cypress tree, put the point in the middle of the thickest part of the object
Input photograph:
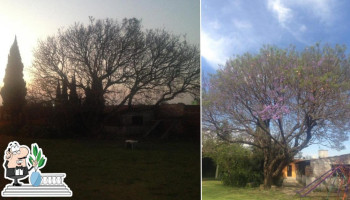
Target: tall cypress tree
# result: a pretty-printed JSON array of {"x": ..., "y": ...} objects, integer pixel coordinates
[
  {"x": 14, "y": 90},
  {"x": 64, "y": 92},
  {"x": 58, "y": 98},
  {"x": 73, "y": 96}
]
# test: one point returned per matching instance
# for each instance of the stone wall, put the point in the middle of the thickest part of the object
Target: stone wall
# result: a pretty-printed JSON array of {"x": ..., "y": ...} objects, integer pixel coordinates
[{"x": 322, "y": 165}]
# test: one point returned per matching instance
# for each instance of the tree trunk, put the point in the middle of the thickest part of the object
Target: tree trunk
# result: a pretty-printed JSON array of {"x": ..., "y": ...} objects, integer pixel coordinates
[
  {"x": 267, "y": 169},
  {"x": 217, "y": 172},
  {"x": 93, "y": 108},
  {"x": 267, "y": 179},
  {"x": 273, "y": 166}
]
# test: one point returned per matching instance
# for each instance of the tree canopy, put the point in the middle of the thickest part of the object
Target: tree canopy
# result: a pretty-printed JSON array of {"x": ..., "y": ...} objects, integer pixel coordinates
[
  {"x": 116, "y": 63},
  {"x": 281, "y": 101}
]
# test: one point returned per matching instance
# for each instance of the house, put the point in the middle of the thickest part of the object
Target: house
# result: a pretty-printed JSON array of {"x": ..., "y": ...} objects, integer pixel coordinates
[
  {"x": 307, "y": 171},
  {"x": 290, "y": 170},
  {"x": 178, "y": 120},
  {"x": 290, "y": 173}
]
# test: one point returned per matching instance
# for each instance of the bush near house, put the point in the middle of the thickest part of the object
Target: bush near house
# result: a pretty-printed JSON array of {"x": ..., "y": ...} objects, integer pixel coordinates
[{"x": 238, "y": 165}]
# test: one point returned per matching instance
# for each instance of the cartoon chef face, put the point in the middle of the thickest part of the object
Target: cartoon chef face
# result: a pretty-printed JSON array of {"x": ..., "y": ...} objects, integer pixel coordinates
[{"x": 16, "y": 155}]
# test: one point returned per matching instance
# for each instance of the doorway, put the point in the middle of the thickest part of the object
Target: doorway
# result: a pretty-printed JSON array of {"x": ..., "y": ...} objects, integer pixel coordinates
[{"x": 289, "y": 170}]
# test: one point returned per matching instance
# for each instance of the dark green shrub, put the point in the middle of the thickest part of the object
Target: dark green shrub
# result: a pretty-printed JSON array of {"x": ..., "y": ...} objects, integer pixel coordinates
[{"x": 238, "y": 165}]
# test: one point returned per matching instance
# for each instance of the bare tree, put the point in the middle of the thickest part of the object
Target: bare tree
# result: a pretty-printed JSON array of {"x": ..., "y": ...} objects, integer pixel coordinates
[
  {"x": 280, "y": 101},
  {"x": 166, "y": 68},
  {"x": 117, "y": 62}
]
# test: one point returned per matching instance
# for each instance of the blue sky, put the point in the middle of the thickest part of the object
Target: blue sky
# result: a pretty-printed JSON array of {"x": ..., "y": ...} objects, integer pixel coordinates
[{"x": 234, "y": 27}]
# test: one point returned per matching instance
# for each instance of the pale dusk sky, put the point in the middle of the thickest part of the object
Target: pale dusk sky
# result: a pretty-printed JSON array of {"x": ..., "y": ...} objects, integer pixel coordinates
[{"x": 35, "y": 20}]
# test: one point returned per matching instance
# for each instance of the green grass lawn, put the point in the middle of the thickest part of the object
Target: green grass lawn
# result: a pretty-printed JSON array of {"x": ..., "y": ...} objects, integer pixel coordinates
[
  {"x": 107, "y": 170},
  {"x": 215, "y": 190}
]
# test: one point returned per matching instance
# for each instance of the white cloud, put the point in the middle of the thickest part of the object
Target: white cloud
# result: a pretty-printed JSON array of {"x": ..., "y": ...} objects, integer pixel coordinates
[
  {"x": 217, "y": 48},
  {"x": 213, "y": 50},
  {"x": 321, "y": 9},
  {"x": 283, "y": 13},
  {"x": 240, "y": 24},
  {"x": 214, "y": 25},
  {"x": 286, "y": 12},
  {"x": 285, "y": 9},
  {"x": 302, "y": 28}
]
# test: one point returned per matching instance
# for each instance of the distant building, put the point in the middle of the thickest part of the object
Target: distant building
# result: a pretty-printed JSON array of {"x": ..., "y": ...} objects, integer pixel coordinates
[
  {"x": 177, "y": 120},
  {"x": 306, "y": 171}
]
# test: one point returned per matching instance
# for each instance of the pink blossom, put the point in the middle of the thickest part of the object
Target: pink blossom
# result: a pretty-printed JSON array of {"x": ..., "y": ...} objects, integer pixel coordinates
[
  {"x": 319, "y": 63},
  {"x": 273, "y": 111},
  {"x": 312, "y": 98}
]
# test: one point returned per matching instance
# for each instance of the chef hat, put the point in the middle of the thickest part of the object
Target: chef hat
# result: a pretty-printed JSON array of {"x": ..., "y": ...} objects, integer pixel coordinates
[{"x": 14, "y": 146}]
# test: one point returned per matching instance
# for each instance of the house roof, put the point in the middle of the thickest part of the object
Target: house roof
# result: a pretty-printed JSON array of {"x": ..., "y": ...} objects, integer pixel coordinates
[{"x": 344, "y": 155}]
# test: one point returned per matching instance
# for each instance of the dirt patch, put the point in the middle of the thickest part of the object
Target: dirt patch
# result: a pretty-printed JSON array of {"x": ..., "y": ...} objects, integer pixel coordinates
[{"x": 290, "y": 190}]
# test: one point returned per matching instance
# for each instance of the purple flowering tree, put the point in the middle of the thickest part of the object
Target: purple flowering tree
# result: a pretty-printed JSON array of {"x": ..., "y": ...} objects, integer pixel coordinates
[{"x": 280, "y": 101}]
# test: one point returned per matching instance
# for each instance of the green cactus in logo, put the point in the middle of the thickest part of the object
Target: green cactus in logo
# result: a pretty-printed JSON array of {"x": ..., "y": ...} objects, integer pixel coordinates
[{"x": 35, "y": 178}]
